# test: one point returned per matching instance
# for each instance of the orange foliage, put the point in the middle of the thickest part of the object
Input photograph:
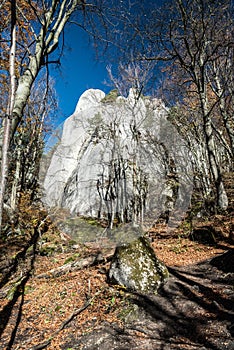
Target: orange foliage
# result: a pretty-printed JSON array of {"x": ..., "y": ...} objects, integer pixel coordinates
[{"x": 24, "y": 37}]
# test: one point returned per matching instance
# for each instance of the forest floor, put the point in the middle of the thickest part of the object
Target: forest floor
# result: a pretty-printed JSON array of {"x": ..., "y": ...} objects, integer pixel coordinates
[{"x": 59, "y": 298}]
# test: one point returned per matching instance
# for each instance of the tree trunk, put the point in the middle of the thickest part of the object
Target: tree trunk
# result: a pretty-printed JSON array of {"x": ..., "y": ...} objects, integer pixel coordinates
[
  {"x": 16, "y": 179},
  {"x": 7, "y": 121},
  {"x": 46, "y": 42},
  {"x": 228, "y": 125},
  {"x": 222, "y": 199},
  {"x": 25, "y": 83}
]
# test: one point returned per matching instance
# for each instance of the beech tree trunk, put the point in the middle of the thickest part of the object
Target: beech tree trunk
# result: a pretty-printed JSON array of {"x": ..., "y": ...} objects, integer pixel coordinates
[
  {"x": 222, "y": 199},
  {"x": 46, "y": 42},
  {"x": 52, "y": 24},
  {"x": 7, "y": 121}
]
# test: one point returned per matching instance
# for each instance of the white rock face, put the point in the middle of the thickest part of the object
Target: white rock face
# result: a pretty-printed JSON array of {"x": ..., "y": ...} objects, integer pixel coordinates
[
  {"x": 76, "y": 132},
  {"x": 89, "y": 98},
  {"x": 116, "y": 156}
]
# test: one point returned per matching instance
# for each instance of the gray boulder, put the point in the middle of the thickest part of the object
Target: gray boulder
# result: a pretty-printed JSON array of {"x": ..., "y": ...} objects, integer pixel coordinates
[{"x": 136, "y": 267}]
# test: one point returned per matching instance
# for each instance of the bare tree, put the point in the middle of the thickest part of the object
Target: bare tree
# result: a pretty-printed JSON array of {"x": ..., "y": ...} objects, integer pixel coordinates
[
  {"x": 132, "y": 74},
  {"x": 220, "y": 76},
  {"x": 50, "y": 24},
  {"x": 45, "y": 22},
  {"x": 28, "y": 143},
  {"x": 192, "y": 38}
]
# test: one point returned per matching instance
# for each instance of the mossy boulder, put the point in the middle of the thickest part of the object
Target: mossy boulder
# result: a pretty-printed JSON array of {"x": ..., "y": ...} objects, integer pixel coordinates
[{"x": 136, "y": 267}]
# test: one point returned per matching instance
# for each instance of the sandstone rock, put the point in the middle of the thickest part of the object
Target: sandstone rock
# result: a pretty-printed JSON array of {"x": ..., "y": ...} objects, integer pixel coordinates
[{"x": 136, "y": 267}]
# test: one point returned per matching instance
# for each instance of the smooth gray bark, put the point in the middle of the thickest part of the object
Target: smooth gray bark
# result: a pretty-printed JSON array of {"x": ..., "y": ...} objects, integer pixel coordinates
[
  {"x": 7, "y": 121},
  {"x": 46, "y": 42},
  {"x": 51, "y": 26}
]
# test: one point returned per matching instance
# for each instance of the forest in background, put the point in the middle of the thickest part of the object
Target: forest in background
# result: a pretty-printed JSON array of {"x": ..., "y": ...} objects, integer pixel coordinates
[
  {"x": 188, "y": 44},
  {"x": 180, "y": 52}
]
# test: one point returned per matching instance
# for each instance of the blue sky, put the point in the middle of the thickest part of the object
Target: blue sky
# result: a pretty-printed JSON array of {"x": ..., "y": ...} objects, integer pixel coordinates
[
  {"x": 78, "y": 72},
  {"x": 79, "y": 69}
]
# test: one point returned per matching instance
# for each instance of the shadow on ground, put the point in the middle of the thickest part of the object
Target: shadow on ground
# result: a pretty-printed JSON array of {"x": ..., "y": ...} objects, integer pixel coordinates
[
  {"x": 193, "y": 310},
  {"x": 23, "y": 260}
]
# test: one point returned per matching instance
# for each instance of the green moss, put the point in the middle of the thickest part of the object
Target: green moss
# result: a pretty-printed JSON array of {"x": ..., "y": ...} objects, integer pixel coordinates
[
  {"x": 95, "y": 121},
  {"x": 28, "y": 289},
  {"x": 110, "y": 97},
  {"x": 186, "y": 227},
  {"x": 129, "y": 313},
  {"x": 91, "y": 221},
  {"x": 81, "y": 229},
  {"x": 71, "y": 243},
  {"x": 140, "y": 269},
  {"x": 48, "y": 249},
  {"x": 72, "y": 258}
]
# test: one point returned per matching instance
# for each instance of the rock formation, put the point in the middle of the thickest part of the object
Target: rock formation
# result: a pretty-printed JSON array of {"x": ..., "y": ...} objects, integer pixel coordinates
[{"x": 120, "y": 159}]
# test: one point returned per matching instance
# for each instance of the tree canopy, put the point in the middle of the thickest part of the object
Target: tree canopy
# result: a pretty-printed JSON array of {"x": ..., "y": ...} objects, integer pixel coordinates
[{"x": 181, "y": 51}]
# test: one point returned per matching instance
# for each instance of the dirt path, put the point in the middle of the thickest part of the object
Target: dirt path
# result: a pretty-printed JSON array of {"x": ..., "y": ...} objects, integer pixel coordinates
[
  {"x": 79, "y": 310},
  {"x": 194, "y": 310}
]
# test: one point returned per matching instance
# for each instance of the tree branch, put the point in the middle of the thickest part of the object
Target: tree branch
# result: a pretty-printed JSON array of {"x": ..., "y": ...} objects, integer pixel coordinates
[{"x": 64, "y": 323}]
